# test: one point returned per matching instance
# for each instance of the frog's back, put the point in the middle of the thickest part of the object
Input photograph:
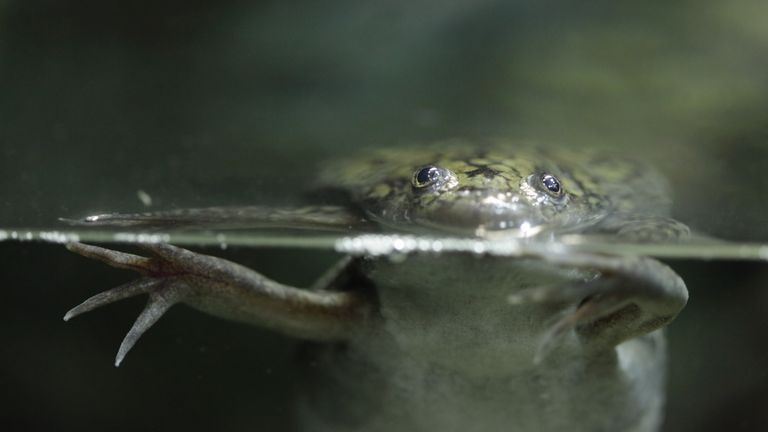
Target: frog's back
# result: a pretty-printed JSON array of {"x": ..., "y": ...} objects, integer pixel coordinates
[
  {"x": 598, "y": 184},
  {"x": 633, "y": 186}
]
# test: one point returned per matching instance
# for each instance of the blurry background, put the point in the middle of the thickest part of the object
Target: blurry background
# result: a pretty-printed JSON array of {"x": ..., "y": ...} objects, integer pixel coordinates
[{"x": 201, "y": 103}]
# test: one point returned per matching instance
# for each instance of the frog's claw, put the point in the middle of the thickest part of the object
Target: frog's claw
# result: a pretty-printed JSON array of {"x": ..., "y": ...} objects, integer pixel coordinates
[
  {"x": 163, "y": 293},
  {"x": 131, "y": 289},
  {"x": 113, "y": 258},
  {"x": 175, "y": 275},
  {"x": 156, "y": 306},
  {"x": 633, "y": 296}
]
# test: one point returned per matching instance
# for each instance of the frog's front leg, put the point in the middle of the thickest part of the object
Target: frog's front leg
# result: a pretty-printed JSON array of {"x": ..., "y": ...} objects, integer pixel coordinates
[
  {"x": 643, "y": 228},
  {"x": 174, "y": 275},
  {"x": 631, "y": 296}
]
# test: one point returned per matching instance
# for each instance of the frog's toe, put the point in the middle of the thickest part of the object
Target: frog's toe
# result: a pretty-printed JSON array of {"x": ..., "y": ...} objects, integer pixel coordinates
[
  {"x": 156, "y": 307},
  {"x": 162, "y": 295},
  {"x": 131, "y": 289},
  {"x": 114, "y": 258},
  {"x": 163, "y": 281}
]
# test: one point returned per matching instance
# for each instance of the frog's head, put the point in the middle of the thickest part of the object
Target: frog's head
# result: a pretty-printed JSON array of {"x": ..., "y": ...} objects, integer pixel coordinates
[{"x": 522, "y": 194}]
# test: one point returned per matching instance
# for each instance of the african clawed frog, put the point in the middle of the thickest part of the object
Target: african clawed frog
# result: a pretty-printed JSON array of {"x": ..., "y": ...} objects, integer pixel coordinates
[{"x": 451, "y": 341}]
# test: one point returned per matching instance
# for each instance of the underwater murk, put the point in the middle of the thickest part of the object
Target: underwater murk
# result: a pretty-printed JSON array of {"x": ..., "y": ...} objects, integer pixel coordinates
[{"x": 466, "y": 216}]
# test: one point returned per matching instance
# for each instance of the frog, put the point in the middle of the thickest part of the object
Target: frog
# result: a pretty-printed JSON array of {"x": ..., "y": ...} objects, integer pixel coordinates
[{"x": 548, "y": 339}]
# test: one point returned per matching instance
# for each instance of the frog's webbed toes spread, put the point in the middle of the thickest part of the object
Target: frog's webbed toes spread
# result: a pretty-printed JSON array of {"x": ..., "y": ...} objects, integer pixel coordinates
[
  {"x": 164, "y": 291},
  {"x": 159, "y": 302}
]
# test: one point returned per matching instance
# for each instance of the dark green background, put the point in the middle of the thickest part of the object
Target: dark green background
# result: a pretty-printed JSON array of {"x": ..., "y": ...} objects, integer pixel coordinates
[{"x": 202, "y": 103}]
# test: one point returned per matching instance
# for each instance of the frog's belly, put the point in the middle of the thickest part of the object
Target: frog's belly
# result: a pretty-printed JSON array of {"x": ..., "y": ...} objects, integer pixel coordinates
[{"x": 451, "y": 355}]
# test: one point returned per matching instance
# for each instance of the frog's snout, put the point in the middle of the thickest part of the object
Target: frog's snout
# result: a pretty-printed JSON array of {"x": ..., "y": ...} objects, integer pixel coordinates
[{"x": 479, "y": 213}]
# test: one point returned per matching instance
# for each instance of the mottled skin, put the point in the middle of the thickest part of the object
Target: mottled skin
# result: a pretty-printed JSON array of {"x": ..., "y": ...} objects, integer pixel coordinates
[
  {"x": 454, "y": 342},
  {"x": 496, "y": 188}
]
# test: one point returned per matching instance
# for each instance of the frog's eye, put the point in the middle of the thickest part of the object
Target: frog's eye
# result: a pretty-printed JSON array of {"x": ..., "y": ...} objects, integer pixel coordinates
[
  {"x": 434, "y": 176},
  {"x": 425, "y": 176},
  {"x": 551, "y": 185}
]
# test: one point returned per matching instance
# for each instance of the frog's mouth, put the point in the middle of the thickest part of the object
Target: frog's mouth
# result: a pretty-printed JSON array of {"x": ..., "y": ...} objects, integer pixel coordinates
[
  {"x": 498, "y": 215},
  {"x": 485, "y": 216}
]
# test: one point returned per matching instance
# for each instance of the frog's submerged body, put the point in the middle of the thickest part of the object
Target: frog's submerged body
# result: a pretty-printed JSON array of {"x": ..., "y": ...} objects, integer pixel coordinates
[
  {"x": 432, "y": 342},
  {"x": 467, "y": 363}
]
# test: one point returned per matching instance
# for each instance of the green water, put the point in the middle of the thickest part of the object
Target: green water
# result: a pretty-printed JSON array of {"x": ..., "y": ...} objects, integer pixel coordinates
[{"x": 155, "y": 105}]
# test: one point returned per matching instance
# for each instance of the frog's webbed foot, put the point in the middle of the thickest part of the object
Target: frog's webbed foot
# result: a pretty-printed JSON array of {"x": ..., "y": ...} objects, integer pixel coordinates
[
  {"x": 631, "y": 296},
  {"x": 164, "y": 290},
  {"x": 174, "y": 275}
]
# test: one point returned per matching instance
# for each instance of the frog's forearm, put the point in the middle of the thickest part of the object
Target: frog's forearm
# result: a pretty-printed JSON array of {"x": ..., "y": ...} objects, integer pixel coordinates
[
  {"x": 308, "y": 217},
  {"x": 225, "y": 289},
  {"x": 632, "y": 296},
  {"x": 642, "y": 228},
  {"x": 249, "y": 297}
]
